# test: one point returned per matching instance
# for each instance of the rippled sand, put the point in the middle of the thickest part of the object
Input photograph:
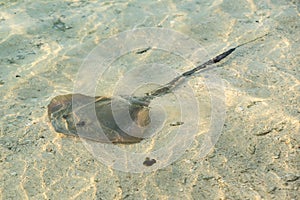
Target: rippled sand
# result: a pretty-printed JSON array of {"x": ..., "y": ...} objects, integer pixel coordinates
[{"x": 42, "y": 46}]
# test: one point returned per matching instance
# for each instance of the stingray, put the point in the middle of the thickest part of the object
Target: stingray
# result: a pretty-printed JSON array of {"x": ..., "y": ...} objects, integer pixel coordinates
[{"x": 78, "y": 122}]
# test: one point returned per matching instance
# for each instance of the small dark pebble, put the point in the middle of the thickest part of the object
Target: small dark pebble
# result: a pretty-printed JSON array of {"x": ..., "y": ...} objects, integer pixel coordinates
[
  {"x": 17, "y": 76},
  {"x": 176, "y": 123},
  {"x": 291, "y": 177},
  {"x": 149, "y": 162},
  {"x": 11, "y": 61},
  {"x": 58, "y": 24},
  {"x": 80, "y": 124}
]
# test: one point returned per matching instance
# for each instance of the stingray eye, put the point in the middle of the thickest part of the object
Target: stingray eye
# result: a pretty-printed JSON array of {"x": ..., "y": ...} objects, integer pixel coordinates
[
  {"x": 53, "y": 108},
  {"x": 65, "y": 116}
]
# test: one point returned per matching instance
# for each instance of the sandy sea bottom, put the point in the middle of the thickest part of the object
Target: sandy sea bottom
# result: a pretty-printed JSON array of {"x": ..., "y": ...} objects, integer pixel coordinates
[{"x": 43, "y": 44}]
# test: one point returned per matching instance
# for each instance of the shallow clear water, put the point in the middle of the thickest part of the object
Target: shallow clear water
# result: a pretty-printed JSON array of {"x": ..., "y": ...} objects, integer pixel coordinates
[{"x": 43, "y": 46}]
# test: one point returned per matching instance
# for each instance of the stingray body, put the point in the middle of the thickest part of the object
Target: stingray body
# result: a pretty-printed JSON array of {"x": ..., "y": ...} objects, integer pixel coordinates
[
  {"x": 78, "y": 120},
  {"x": 81, "y": 121}
]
